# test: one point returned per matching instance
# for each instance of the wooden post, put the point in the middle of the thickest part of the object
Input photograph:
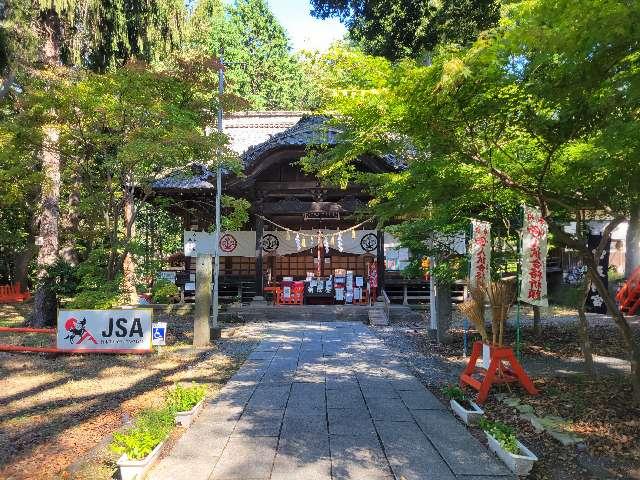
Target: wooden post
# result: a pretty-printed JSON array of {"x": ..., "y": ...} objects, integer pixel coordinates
[
  {"x": 259, "y": 270},
  {"x": 380, "y": 261},
  {"x": 201, "y": 332}
]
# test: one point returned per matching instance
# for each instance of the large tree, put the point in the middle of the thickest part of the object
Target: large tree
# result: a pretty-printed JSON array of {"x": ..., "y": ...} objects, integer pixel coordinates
[
  {"x": 545, "y": 107},
  {"x": 39, "y": 36},
  {"x": 261, "y": 70},
  {"x": 410, "y": 28}
]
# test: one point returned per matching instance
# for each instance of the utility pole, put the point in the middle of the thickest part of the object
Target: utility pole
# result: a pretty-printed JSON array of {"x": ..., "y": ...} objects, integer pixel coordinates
[{"x": 215, "y": 329}]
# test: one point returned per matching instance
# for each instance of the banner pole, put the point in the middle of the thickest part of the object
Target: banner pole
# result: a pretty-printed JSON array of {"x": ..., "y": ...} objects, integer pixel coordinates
[{"x": 518, "y": 280}]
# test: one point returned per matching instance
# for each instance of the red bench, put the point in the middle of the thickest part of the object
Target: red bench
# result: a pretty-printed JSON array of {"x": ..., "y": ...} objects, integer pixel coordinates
[{"x": 13, "y": 293}]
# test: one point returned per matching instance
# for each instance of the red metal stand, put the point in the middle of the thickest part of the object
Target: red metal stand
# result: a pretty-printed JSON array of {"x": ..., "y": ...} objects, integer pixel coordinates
[{"x": 497, "y": 373}]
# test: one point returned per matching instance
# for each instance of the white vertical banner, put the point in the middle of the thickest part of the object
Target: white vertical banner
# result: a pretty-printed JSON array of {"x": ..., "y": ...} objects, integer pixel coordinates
[
  {"x": 480, "y": 254},
  {"x": 533, "y": 258}
]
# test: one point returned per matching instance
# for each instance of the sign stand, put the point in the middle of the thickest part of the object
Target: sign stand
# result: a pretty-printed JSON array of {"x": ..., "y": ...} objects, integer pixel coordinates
[{"x": 482, "y": 379}]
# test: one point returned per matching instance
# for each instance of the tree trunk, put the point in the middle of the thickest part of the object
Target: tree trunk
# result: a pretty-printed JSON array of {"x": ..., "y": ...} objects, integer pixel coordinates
[
  {"x": 21, "y": 262},
  {"x": 583, "y": 332},
  {"x": 632, "y": 257},
  {"x": 128, "y": 262},
  {"x": 633, "y": 348},
  {"x": 537, "y": 327},
  {"x": 44, "y": 310},
  {"x": 71, "y": 226}
]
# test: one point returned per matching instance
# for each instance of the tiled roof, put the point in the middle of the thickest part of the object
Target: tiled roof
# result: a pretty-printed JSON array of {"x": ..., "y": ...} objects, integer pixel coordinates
[
  {"x": 200, "y": 178},
  {"x": 269, "y": 131}
]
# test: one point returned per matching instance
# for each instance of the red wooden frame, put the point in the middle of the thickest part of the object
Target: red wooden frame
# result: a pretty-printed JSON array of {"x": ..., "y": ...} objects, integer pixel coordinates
[{"x": 497, "y": 373}]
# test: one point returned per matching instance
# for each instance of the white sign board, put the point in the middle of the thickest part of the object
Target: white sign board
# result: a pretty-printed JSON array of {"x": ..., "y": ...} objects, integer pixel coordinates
[
  {"x": 126, "y": 331},
  {"x": 159, "y": 333}
]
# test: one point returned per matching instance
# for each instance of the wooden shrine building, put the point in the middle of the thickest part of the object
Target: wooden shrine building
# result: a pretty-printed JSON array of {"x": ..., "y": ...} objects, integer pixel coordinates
[{"x": 284, "y": 203}]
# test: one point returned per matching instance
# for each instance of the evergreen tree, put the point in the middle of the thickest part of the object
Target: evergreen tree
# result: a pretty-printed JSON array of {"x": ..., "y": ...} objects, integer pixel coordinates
[
  {"x": 262, "y": 69},
  {"x": 409, "y": 28}
]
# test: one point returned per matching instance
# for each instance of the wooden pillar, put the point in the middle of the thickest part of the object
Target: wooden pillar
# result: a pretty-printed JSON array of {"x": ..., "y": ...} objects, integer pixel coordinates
[
  {"x": 259, "y": 224},
  {"x": 380, "y": 261}
]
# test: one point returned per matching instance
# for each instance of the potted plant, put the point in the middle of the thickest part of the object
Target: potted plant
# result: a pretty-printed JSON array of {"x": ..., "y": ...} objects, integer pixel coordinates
[
  {"x": 463, "y": 407},
  {"x": 186, "y": 403},
  {"x": 140, "y": 445},
  {"x": 503, "y": 441}
]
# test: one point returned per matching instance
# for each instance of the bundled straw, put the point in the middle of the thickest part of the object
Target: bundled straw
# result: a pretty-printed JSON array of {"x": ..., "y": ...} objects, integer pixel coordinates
[
  {"x": 501, "y": 295},
  {"x": 474, "y": 310}
]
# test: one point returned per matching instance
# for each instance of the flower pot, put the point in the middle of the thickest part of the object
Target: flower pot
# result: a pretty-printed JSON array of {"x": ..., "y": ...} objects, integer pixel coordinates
[
  {"x": 520, "y": 464},
  {"x": 470, "y": 417},
  {"x": 137, "y": 469},
  {"x": 184, "y": 419}
]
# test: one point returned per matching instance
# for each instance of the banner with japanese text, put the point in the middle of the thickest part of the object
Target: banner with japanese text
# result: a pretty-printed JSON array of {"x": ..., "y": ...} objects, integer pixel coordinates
[
  {"x": 480, "y": 254},
  {"x": 533, "y": 257}
]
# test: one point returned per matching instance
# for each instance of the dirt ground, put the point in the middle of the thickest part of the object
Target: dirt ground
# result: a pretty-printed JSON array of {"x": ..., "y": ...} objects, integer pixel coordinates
[
  {"x": 598, "y": 409},
  {"x": 57, "y": 412}
]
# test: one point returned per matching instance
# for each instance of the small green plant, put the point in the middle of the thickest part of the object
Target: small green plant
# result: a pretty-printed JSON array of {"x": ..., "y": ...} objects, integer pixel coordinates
[
  {"x": 163, "y": 291},
  {"x": 183, "y": 399},
  {"x": 504, "y": 434},
  {"x": 150, "y": 428},
  {"x": 454, "y": 392}
]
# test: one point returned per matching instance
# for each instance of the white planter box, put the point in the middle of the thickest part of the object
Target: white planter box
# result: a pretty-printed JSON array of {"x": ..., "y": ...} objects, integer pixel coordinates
[
  {"x": 470, "y": 417},
  {"x": 137, "y": 469},
  {"x": 519, "y": 464},
  {"x": 185, "y": 419}
]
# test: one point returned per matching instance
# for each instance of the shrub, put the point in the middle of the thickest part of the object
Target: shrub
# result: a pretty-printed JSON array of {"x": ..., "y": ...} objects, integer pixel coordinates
[
  {"x": 454, "y": 392},
  {"x": 149, "y": 430},
  {"x": 504, "y": 434},
  {"x": 163, "y": 291},
  {"x": 105, "y": 297},
  {"x": 183, "y": 399}
]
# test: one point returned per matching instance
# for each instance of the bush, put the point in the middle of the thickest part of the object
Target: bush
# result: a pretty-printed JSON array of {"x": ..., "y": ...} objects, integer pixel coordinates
[
  {"x": 163, "y": 291},
  {"x": 183, "y": 399},
  {"x": 454, "y": 392},
  {"x": 149, "y": 430},
  {"x": 504, "y": 434},
  {"x": 106, "y": 297}
]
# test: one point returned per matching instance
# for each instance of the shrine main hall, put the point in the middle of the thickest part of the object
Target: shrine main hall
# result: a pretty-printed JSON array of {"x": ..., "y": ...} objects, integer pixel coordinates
[{"x": 305, "y": 242}]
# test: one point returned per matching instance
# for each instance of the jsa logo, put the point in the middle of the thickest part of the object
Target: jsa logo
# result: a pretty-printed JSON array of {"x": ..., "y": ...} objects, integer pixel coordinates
[{"x": 121, "y": 329}]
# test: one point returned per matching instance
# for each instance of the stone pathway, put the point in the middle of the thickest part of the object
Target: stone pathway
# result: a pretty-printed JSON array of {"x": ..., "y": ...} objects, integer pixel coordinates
[{"x": 323, "y": 401}]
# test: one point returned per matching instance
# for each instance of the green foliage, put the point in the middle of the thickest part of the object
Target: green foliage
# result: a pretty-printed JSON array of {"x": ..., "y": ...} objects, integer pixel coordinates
[
  {"x": 454, "y": 392},
  {"x": 504, "y": 434},
  {"x": 150, "y": 429},
  {"x": 183, "y": 399},
  {"x": 411, "y": 28},
  {"x": 262, "y": 70},
  {"x": 163, "y": 291},
  {"x": 93, "y": 290}
]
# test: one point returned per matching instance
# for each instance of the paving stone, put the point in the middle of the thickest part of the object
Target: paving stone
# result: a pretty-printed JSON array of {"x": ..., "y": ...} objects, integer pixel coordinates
[
  {"x": 173, "y": 468},
  {"x": 345, "y": 396},
  {"x": 260, "y": 423},
  {"x": 391, "y": 409},
  {"x": 269, "y": 397},
  {"x": 410, "y": 453},
  {"x": 305, "y": 456},
  {"x": 294, "y": 424},
  {"x": 246, "y": 458},
  {"x": 334, "y": 381},
  {"x": 462, "y": 452},
  {"x": 354, "y": 422},
  {"x": 421, "y": 400},
  {"x": 358, "y": 458}
]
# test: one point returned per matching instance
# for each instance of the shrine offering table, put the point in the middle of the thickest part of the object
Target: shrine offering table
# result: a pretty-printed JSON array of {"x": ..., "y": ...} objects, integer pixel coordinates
[
  {"x": 318, "y": 298},
  {"x": 497, "y": 372}
]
